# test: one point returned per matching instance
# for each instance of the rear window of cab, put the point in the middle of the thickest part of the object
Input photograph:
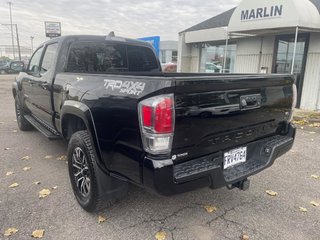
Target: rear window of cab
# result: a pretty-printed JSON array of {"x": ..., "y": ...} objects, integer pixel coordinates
[{"x": 102, "y": 57}]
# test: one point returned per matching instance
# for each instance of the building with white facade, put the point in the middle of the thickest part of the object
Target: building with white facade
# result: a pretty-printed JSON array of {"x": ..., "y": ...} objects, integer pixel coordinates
[
  {"x": 168, "y": 51},
  {"x": 260, "y": 36}
]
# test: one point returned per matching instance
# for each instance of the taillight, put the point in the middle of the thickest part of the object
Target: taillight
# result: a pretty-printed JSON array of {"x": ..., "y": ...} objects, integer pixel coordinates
[
  {"x": 147, "y": 116},
  {"x": 157, "y": 123},
  {"x": 294, "y": 101}
]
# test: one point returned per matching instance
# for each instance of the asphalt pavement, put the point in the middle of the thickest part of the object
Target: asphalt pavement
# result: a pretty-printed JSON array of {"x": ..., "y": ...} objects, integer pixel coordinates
[{"x": 142, "y": 215}]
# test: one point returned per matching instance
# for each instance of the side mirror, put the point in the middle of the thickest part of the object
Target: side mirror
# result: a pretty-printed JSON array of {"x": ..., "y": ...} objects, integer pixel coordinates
[{"x": 17, "y": 66}]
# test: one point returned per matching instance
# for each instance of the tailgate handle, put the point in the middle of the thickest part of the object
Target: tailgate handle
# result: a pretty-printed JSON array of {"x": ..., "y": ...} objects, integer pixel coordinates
[{"x": 250, "y": 101}]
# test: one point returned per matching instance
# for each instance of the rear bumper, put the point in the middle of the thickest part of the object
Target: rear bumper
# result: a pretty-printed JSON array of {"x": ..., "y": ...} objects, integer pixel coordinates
[{"x": 167, "y": 178}]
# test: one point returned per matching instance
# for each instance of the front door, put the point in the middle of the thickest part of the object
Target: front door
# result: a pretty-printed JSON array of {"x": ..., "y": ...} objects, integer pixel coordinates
[
  {"x": 283, "y": 56},
  {"x": 37, "y": 83},
  {"x": 43, "y": 85}
]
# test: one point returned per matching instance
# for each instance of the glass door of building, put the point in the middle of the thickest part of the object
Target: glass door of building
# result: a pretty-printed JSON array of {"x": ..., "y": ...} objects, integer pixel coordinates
[{"x": 283, "y": 56}]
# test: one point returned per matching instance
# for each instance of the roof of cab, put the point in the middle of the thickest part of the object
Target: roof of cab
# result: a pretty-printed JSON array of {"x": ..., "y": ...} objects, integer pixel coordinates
[{"x": 98, "y": 38}]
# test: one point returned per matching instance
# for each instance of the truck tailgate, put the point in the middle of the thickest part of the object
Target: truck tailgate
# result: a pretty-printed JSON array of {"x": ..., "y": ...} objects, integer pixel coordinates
[{"x": 215, "y": 113}]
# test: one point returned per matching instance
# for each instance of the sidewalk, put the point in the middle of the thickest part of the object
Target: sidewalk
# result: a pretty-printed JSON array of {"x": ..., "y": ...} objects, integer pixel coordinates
[{"x": 308, "y": 118}]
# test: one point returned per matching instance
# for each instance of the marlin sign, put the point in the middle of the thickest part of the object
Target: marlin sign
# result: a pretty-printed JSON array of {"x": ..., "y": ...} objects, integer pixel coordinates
[{"x": 262, "y": 13}]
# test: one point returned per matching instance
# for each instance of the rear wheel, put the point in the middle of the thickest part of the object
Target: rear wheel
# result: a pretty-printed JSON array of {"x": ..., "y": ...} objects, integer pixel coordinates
[
  {"x": 84, "y": 177},
  {"x": 23, "y": 124},
  {"x": 205, "y": 114}
]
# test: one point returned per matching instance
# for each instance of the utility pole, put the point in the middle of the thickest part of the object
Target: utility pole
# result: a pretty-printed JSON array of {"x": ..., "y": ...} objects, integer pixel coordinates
[
  {"x": 31, "y": 37},
  {"x": 13, "y": 52},
  {"x": 18, "y": 43}
]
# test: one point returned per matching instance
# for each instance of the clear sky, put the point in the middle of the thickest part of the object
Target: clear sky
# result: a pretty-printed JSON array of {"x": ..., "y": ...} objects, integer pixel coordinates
[{"x": 134, "y": 18}]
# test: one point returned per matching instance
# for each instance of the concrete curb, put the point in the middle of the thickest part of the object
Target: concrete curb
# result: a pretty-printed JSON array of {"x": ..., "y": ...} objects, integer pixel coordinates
[{"x": 310, "y": 117}]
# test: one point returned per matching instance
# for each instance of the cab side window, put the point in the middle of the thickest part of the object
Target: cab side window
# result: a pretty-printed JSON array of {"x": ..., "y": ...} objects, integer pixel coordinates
[
  {"x": 34, "y": 65},
  {"x": 48, "y": 58}
]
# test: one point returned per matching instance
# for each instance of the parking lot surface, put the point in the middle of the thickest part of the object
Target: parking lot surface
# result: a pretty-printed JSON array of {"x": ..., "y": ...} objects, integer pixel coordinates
[{"x": 31, "y": 158}]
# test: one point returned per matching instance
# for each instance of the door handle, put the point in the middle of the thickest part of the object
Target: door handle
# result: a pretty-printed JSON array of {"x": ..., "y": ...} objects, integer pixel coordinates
[
  {"x": 44, "y": 85},
  {"x": 67, "y": 86}
]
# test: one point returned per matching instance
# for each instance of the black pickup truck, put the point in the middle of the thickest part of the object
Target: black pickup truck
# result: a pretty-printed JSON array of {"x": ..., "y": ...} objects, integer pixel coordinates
[{"x": 126, "y": 121}]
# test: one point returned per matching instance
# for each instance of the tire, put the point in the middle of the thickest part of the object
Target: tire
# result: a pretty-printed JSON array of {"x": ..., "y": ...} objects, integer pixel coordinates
[
  {"x": 23, "y": 124},
  {"x": 85, "y": 175},
  {"x": 205, "y": 114}
]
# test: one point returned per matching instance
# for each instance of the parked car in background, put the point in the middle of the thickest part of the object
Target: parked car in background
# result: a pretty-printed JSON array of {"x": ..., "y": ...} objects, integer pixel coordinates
[
  {"x": 170, "y": 67},
  {"x": 7, "y": 67},
  {"x": 4, "y": 67},
  {"x": 213, "y": 67}
]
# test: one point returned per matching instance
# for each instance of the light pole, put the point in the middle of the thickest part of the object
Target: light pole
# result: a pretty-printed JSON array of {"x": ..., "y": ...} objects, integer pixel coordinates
[
  {"x": 18, "y": 42},
  {"x": 31, "y": 37},
  {"x": 13, "y": 52}
]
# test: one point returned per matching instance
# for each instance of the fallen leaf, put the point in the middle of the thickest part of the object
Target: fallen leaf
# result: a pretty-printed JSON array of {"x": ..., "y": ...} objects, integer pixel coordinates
[
  {"x": 101, "y": 219},
  {"x": 26, "y": 158},
  {"x": 55, "y": 187},
  {"x": 300, "y": 122},
  {"x": 312, "y": 132},
  {"x": 48, "y": 157},
  {"x": 315, "y": 204},
  {"x": 62, "y": 158},
  {"x": 161, "y": 235},
  {"x": 10, "y": 231},
  {"x": 26, "y": 168},
  {"x": 14, "y": 131},
  {"x": 315, "y": 176},
  {"x": 37, "y": 183},
  {"x": 38, "y": 233},
  {"x": 314, "y": 125},
  {"x": 6, "y": 149},
  {"x": 13, "y": 185},
  {"x": 210, "y": 209},
  {"x": 271, "y": 193},
  {"x": 9, "y": 173},
  {"x": 15, "y": 120},
  {"x": 44, "y": 193},
  {"x": 245, "y": 237},
  {"x": 302, "y": 209}
]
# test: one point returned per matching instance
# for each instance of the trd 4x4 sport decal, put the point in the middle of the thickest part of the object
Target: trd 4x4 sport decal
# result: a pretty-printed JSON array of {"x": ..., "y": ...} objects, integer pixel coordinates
[{"x": 128, "y": 87}]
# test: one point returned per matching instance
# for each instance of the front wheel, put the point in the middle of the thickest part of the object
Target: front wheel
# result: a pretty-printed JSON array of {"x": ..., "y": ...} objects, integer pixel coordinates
[
  {"x": 93, "y": 190},
  {"x": 23, "y": 124}
]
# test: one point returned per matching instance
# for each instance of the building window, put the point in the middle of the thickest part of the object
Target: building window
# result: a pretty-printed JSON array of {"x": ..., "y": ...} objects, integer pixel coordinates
[
  {"x": 163, "y": 56},
  {"x": 174, "y": 56},
  {"x": 212, "y": 58}
]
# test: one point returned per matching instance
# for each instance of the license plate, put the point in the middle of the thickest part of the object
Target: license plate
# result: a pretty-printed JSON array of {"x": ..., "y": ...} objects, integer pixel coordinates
[{"x": 234, "y": 157}]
